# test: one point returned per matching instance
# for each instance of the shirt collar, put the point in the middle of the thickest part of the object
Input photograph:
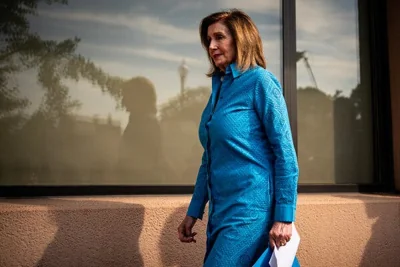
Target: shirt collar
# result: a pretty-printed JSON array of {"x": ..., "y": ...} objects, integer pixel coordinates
[{"x": 233, "y": 68}]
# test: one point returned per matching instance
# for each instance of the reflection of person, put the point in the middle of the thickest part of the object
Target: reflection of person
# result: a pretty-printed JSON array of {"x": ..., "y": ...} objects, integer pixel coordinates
[
  {"x": 140, "y": 149},
  {"x": 249, "y": 168}
]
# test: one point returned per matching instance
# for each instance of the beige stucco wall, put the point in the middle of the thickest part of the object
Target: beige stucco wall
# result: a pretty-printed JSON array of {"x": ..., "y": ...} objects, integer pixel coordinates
[
  {"x": 394, "y": 65},
  {"x": 336, "y": 230}
]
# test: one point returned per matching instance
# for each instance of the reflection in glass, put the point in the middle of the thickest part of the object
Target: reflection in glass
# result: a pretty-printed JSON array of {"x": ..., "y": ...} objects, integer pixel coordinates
[
  {"x": 94, "y": 92},
  {"x": 334, "y": 105}
]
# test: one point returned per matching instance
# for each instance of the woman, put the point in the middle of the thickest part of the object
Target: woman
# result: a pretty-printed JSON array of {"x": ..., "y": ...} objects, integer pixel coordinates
[{"x": 249, "y": 168}]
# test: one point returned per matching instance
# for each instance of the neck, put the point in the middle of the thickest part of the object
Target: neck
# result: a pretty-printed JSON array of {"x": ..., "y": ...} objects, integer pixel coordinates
[{"x": 223, "y": 68}]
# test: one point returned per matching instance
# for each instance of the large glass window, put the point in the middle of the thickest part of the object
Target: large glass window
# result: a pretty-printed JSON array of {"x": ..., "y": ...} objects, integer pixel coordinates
[
  {"x": 334, "y": 94},
  {"x": 109, "y": 92}
]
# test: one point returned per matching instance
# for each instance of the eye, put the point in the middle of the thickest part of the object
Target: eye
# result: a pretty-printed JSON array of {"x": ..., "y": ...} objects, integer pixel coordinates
[{"x": 219, "y": 37}]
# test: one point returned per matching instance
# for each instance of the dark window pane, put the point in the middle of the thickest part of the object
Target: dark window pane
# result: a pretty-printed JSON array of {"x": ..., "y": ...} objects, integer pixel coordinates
[{"x": 334, "y": 93}]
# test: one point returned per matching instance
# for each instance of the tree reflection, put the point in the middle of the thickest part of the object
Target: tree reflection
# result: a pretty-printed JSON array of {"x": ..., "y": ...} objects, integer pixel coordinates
[
  {"x": 315, "y": 134},
  {"x": 30, "y": 144},
  {"x": 179, "y": 124},
  {"x": 194, "y": 101},
  {"x": 334, "y": 136}
]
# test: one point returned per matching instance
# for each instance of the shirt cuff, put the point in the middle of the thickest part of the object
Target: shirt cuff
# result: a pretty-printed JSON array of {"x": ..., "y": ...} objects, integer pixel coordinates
[
  {"x": 196, "y": 209},
  {"x": 284, "y": 213}
]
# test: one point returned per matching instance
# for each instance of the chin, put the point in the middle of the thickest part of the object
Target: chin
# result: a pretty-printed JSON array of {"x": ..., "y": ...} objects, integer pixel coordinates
[{"x": 220, "y": 66}]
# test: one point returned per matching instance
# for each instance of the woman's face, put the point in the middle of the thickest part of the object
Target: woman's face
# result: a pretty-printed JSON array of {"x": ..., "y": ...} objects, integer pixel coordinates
[{"x": 221, "y": 45}]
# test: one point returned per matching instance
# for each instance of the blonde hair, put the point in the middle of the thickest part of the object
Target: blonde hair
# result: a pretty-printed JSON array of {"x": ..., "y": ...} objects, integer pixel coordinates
[{"x": 248, "y": 44}]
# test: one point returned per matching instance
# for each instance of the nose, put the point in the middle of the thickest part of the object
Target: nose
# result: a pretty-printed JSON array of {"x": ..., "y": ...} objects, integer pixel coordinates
[{"x": 213, "y": 45}]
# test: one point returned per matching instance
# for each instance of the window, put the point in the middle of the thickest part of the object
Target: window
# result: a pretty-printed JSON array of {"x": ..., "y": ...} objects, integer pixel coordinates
[
  {"x": 110, "y": 92},
  {"x": 108, "y": 95},
  {"x": 335, "y": 141}
]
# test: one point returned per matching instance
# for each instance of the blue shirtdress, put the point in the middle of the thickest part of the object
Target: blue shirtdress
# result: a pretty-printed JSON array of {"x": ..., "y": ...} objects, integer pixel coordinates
[{"x": 249, "y": 168}]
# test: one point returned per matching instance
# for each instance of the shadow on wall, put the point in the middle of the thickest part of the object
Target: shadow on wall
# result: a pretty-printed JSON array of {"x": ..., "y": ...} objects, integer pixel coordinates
[
  {"x": 88, "y": 236},
  {"x": 383, "y": 247},
  {"x": 173, "y": 252}
]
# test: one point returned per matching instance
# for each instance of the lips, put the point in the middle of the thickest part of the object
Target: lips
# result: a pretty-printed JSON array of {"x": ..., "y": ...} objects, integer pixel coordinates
[{"x": 216, "y": 56}]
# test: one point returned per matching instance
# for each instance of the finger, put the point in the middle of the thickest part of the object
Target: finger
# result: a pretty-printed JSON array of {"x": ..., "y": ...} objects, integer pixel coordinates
[
  {"x": 282, "y": 242},
  {"x": 182, "y": 237},
  {"x": 274, "y": 237},
  {"x": 278, "y": 243},
  {"x": 182, "y": 234},
  {"x": 281, "y": 236},
  {"x": 272, "y": 242},
  {"x": 192, "y": 236},
  {"x": 185, "y": 240},
  {"x": 189, "y": 235},
  {"x": 287, "y": 234},
  {"x": 188, "y": 230}
]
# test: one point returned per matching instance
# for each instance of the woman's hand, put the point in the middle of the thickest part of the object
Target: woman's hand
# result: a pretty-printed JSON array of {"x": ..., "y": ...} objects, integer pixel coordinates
[
  {"x": 280, "y": 234},
  {"x": 185, "y": 230}
]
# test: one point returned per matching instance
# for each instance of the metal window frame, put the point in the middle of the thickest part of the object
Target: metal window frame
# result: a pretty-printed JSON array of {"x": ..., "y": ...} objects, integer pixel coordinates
[
  {"x": 382, "y": 132},
  {"x": 381, "y": 104}
]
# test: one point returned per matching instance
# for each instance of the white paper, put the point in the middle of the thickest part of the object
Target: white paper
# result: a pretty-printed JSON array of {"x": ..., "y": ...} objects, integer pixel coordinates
[
  {"x": 272, "y": 261},
  {"x": 284, "y": 255}
]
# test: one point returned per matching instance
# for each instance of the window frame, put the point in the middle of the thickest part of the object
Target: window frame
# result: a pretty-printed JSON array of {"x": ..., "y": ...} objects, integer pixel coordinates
[{"x": 381, "y": 116}]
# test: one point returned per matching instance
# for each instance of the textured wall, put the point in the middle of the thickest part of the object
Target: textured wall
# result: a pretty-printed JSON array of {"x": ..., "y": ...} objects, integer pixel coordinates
[
  {"x": 336, "y": 230},
  {"x": 394, "y": 61}
]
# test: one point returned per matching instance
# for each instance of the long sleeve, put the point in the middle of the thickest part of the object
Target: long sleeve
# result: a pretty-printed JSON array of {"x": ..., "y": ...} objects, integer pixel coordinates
[
  {"x": 271, "y": 107},
  {"x": 200, "y": 194}
]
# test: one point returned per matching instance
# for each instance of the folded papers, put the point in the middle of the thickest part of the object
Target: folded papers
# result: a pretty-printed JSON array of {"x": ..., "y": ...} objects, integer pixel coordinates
[{"x": 284, "y": 256}]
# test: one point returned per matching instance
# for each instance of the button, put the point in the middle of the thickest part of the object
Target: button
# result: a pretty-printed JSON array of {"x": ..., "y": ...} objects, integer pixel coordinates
[{"x": 222, "y": 78}]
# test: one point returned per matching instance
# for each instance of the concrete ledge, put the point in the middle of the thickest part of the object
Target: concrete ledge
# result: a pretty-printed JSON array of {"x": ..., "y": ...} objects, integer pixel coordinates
[{"x": 336, "y": 230}]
